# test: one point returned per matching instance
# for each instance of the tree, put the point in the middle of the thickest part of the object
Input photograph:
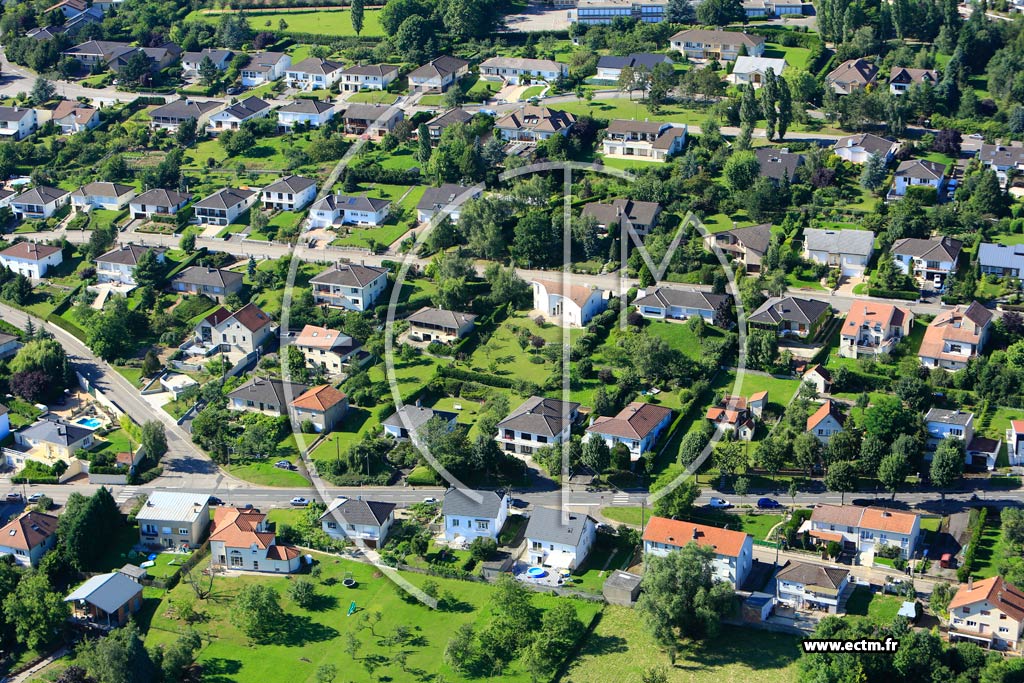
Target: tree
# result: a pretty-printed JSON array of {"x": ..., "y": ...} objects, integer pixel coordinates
[
  {"x": 326, "y": 673},
  {"x": 423, "y": 149},
  {"x": 596, "y": 454},
  {"x": 843, "y": 446},
  {"x": 178, "y": 657},
  {"x": 40, "y": 371},
  {"x": 947, "y": 463},
  {"x": 942, "y": 595},
  {"x": 536, "y": 240},
  {"x": 303, "y": 593},
  {"x": 680, "y": 597},
  {"x": 806, "y": 451},
  {"x": 42, "y": 91},
  {"x": 893, "y": 472},
  {"x": 413, "y": 37},
  {"x": 149, "y": 270},
  {"x": 562, "y": 629},
  {"x": 873, "y": 175},
  {"x": 257, "y": 612},
  {"x": 514, "y": 619},
  {"x": 35, "y": 610},
  {"x": 357, "y": 15},
  {"x": 153, "y": 440},
  {"x": 720, "y": 12},
  {"x": 771, "y": 455},
  {"x": 121, "y": 657},
  {"x": 208, "y": 71},
  {"x": 740, "y": 170},
  {"x": 680, "y": 12},
  {"x": 188, "y": 242},
  {"x": 841, "y": 477},
  {"x": 768, "y": 95},
  {"x": 150, "y": 364},
  {"x": 137, "y": 69},
  {"x": 678, "y": 502}
]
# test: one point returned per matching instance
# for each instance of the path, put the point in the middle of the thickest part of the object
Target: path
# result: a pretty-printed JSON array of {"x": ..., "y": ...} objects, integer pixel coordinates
[{"x": 31, "y": 672}]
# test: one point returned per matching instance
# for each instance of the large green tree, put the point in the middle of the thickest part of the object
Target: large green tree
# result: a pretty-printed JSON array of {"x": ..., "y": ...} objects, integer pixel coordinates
[
  {"x": 257, "y": 612},
  {"x": 36, "y": 611}
]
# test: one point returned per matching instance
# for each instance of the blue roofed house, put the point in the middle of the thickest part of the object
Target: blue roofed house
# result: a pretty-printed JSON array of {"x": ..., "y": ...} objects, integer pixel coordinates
[
  {"x": 470, "y": 514},
  {"x": 557, "y": 540},
  {"x": 106, "y": 599}
]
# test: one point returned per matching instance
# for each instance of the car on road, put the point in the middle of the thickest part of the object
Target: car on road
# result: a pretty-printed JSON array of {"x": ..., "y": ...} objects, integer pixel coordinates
[
  {"x": 430, "y": 500},
  {"x": 234, "y": 90},
  {"x": 283, "y": 464},
  {"x": 299, "y": 501},
  {"x": 214, "y": 500},
  {"x": 976, "y": 136},
  {"x": 13, "y": 497},
  {"x": 720, "y": 503},
  {"x": 518, "y": 503},
  {"x": 768, "y": 504},
  {"x": 35, "y": 497}
]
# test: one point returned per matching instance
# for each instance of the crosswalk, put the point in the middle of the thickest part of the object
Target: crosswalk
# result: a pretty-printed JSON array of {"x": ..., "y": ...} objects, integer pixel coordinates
[
  {"x": 126, "y": 494},
  {"x": 621, "y": 498}
]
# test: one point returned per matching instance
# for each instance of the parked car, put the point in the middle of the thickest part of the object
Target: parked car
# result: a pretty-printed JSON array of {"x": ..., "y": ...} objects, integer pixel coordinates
[
  {"x": 214, "y": 500},
  {"x": 283, "y": 464},
  {"x": 14, "y": 497},
  {"x": 720, "y": 503},
  {"x": 768, "y": 503},
  {"x": 299, "y": 501},
  {"x": 430, "y": 500},
  {"x": 35, "y": 497}
]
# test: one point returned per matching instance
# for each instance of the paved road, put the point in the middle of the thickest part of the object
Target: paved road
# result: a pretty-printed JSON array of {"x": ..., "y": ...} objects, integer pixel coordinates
[{"x": 17, "y": 79}]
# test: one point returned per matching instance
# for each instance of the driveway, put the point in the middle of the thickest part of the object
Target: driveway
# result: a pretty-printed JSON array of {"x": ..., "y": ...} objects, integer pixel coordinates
[{"x": 847, "y": 284}]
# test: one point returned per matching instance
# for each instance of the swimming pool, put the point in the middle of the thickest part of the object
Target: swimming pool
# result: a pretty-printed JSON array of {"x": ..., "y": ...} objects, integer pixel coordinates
[
  {"x": 536, "y": 572},
  {"x": 90, "y": 422}
]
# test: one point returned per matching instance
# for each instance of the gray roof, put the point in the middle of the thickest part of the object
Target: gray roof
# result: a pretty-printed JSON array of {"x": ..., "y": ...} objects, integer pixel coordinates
[
  {"x": 776, "y": 163},
  {"x": 133, "y": 572},
  {"x": 872, "y": 144},
  {"x": 109, "y": 592},
  {"x": 56, "y": 432},
  {"x": 217, "y": 56},
  {"x": 951, "y": 417},
  {"x": 623, "y": 580},
  {"x": 646, "y": 60},
  {"x": 356, "y": 203},
  {"x": 441, "y": 317},
  {"x": 460, "y": 503},
  {"x": 161, "y": 197},
  {"x": 372, "y": 70},
  {"x": 225, "y": 198},
  {"x": 814, "y": 575},
  {"x": 306, "y": 106},
  {"x": 315, "y": 65},
  {"x": 441, "y": 66},
  {"x": 264, "y": 61},
  {"x": 291, "y": 183},
  {"x": 417, "y": 417},
  {"x": 269, "y": 391},
  {"x": 539, "y": 415},
  {"x": 349, "y": 275},
  {"x": 210, "y": 277},
  {"x": 1001, "y": 155},
  {"x": 450, "y": 117},
  {"x": 102, "y": 189},
  {"x": 686, "y": 298},
  {"x": 933, "y": 248},
  {"x": 4, "y": 409},
  {"x": 860, "y": 242},
  {"x": 371, "y": 112},
  {"x": 1001, "y": 255},
  {"x": 789, "y": 308},
  {"x": 40, "y": 195},
  {"x": 185, "y": 109},
  {"x": 13, "y": 113},
  {"x": 546, "y": 525},
  {"x": 243, "y": 109},
  {"x": 436, "y": 198},
  {"x": 127, "y": 254},
  {"x": 640, "y": 213},
  {"x": 755, "y": 238},
  {"x": 174, "y": 506},
  {"x": 522, "y": 63},
  {"x": 921, "y": 168},
  {"x": 358, "y": 511}
]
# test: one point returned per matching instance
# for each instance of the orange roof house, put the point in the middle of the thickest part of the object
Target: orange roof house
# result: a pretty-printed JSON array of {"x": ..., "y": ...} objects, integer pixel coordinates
[
  {"x": 989, "y": 613},
  {"x": 241, "y": 539},
  {"x": 28, "y": 537},
  {"x": 324, "y": 406},
  {"x": 733, "y": 549}
]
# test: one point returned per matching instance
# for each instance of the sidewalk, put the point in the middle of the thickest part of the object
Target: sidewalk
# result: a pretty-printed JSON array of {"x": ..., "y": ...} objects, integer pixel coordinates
[{"x": 31, "y": 672}]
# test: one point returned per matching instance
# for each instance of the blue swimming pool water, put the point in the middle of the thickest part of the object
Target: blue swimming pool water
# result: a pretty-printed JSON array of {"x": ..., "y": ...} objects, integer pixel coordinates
[{"x": 90, "y": 422}]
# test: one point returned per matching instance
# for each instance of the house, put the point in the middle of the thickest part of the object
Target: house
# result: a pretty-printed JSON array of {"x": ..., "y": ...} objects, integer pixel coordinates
[
  {"x": 212, "y": 282},
  {"x": 109, "y": 196},
  {"x": 955, "y": 336},
  {"x": 74, "y": 117},
  {"x": 538, "y": 422},
  {"x": 565, "y": 304},
  {"x": 733, "y": 550},
  {"x": 94, "y": 53},
  {"x": 942, "y": 423},
  {"x": 6, "y": 196},
  {"x": 265, "y": 67},
  {"x": 245, "y": 331},
  {"x": 820, "y": 378},
  {"x": 9, "y": 346},
  {"x": 930, "y": 260},
  {"x": 716, "y": 45},
  {"x": 290, "y": 193},
  {"x": 987, "y": 612},
  {"x": 240, "y": 538},
  {"x": 192, "y": 61},
  {"x": 1015, "y": 442},
  {"x": 771, "y": 8},
  {"x": 365, "y": 522},
  {"x": 40, "y": 202},
  {"x": 106, "y": 599},
  {"x": 374, "y": 120},
  {"x": 533, "y": 123},
  {"x": 313, "y": 73},
  {"x": 411, "y": 419},
  {"x": 470, "y": 514},
  {"x": 853, "y": 74},
  {"x": 51, "y": 439},
  {"x": 827, "y": 420},
  {"x": 1001, "y": 260},
  {"x": 918, "y": 173},
  {"x": 159, "y": 57},
  {"x": 641, "y": 216},
  {"x": 224, "y": 206},
  {"x": 872, "y": 328},
  {"x": 791, "y": 316},
  {"x": 637, "y": 426},
  {"x": 265, "y": 395},
  {"x": 368, "y": 77},
  {"x": 437, "y": 125},
  {"x": 592, "y": 12},
  {"x": 322, "y": 406},
  {"x": 158, "y": 202},
  {"x": 901, "y": 78},
  {"x": 350, "y": 286},
  {"x": 778, "y": 164},
  {"x": 28, "y": 537},
  {"x": 171, "y": 116},
  {"x": 847, "y": 250},
  {"x": 801, "y": 585},
  {"x": 610, "y": 67},
  {"x": 857, "y": 149},
  {"x": 233, "y": 116},
  {"x": 738, "y": 414},
  {"x": 69, "y": 8},
  {"x": 17, "y": 123},
  {"x": 438, "y": 74},
  {"x": 518, "y": 70},
  {"x": 864, "y": 529},
  {"x": 753, "y": 70},
  {"x": 444, "y": 198},
  {"x": 559, "y": 539},
  {"x": 670, "y": 303},
  {"x": 1002, "y": 158},
  {"x": 747, "y": 245},
  {"x": 649, "y": 140},
  {"x": 30, "y": 259},
  {"x": 339, "y": 209},
  {"x": 325, "y": 349},
  {"x": 118, "y": 264},
  {"x": 173, "y": 519},
  {"x": 309, "y": 113},
  {"x": 439, "y": 325}
]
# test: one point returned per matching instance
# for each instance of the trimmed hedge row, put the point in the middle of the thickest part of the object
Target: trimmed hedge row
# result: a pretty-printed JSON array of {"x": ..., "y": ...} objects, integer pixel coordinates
[
  {"x": 893, "y": 294},
  {"x": 387, "y": 176},
  {"x": 963, "y": 572}
]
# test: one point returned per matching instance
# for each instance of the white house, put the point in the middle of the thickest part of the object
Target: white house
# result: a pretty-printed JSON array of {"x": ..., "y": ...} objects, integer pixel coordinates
[
  {"x": 714, "y": 44},
  {"x": 516, "y": 70},
  {"x": 872, "y": 328},
  {"x": 902, "y": 78},
  {"x": 437, "y": 199},
  {"x": 6, "y": 341},
  {"x": 313, "y": 73},
  {"x": 826, "y": 421},
  {"x": 109, "y": 196},
  {"x": 191, "y": 61},
  {"x": 28, "y": 537},
  {"x": 212, "y": 282},
  {"x": 264, "y": 68},
  {"x": 233, "y": 116},
  {"x": 311, "y": 113},
  {"x": 325, "y": 349},
  {"x": 410, "y": 420},
  {"x": 1015, "y": 442},
  {"x": 670, "y": 303},
  {"x": 368, "y": 77},
  {"x": 172, "y": 519},
  {"x": 17, "y": 122},
  {"x": 559, "y": 540},
  {"x": 738, "y": 414},
  {"x": 863, "y": 529},
  {"x": 359, "y": 521},
  {"x": 851, "y": 75},
  {"x": 987, "y": 612},
  {"x": 470, "y": 514},
  {"x": 532, "y": 123},
  {"x": 438, "y": 74},
  {"x": 955, "y": 336},
  {"x": 429, "y": 325},
  {"x": 847, "y": 250},
  {"x": 1001, "y": 260},
  {"x": 802, "y": 585},
  {"x": 118, "y": 264},
  {"x": 290, "y": 193},
  {"x": 733, "y": 550},
  {"x": 224, "y": 206},
  {"x": 30, "y": 259},
  {"x": 337, "y": 209},
  {"x": 349, "y": 285},
  {"x": 158, "y": 202},
  {"x": 170, "y": 116},
  {"x": 243, "y": 331},
  {"x": 930, "y": 260},
  {"x": 857, "y": 149},
  {"x": 268, "y": 396},
  {"x": 637, "y": 427},
  {"x": 322, "y": 407},
  {"x": 538, "y": 422},
  {"x": 74, "y": 117},
  {"x": 942, "y": 423},
  {"x": 567, "y": 305},
  {"x": 242, "y": 539},
  {"x": 40, "y": 202},
  {"x": 645, "y": 140},
  {"x": 753, "y": 70},
  {"x": 919, "y": 173}
]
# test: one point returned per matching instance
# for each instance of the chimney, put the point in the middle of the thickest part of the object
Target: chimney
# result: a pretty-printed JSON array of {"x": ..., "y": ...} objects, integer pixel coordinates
[
  {"x": 970, "y": 583},
  {"x": 695, "y": 533},
  {"x": 419, "y": 403}
]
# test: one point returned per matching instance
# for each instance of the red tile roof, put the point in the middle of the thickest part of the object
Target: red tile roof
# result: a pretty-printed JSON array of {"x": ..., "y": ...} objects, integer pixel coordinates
[
  {"x": 236, "y": 527},
  {"x": 677, "y": 533},
  {"x": 28, "y": 531},
  {"x": 881, "y": 519},
  {"x": 635, "y": 421},
  {"x": 29, "y": 251},
  {"x": 998, "y": 593},
  {"x": 319, "y": 398},
  {"x": 829, "y": 407}
]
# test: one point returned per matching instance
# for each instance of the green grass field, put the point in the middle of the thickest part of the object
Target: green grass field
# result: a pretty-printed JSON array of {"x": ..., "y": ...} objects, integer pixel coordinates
[
  {"x": 372, "y": 97},
  {"x": 878, "y": 607},
  {"x": 325, "y": 22}
]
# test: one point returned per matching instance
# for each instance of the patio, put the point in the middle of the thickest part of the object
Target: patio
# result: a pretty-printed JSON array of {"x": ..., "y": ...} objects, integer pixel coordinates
[{"x": 553, "y": 578}]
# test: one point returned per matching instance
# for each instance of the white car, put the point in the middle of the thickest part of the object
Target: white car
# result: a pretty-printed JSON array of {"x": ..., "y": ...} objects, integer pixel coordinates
[
  {"x": 720, "y": 503},
  {"x": 430, "y": 500},
  {"x": 299, "y": 501}
]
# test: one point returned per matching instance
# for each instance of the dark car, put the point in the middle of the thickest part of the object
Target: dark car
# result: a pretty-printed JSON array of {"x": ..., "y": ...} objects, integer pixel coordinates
[
  {"x": 768, "y": 504},
  {"x": 214, "y": 500}
]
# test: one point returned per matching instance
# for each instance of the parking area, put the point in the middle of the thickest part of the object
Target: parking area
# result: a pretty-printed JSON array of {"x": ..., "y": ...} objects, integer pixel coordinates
[{"x": 537, "y": 18}]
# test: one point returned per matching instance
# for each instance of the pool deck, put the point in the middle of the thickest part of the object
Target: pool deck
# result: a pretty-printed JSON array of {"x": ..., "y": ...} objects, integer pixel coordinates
[{"x": 552, "y": 578}]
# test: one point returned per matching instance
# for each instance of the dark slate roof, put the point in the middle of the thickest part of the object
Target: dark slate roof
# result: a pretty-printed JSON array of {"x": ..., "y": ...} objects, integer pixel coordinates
[
  {"x": 870, "y": 143},
  {"x": 370, "y": 112},
  {"x": 270, "y": 391},
  {"x": 789, "y": 308},
  {"x": 56, "y": 432},
  {"x": 357, "y": 203},
  {"x": 109, "y": 592},
  {"x": 539, "y": 415},
  {"x": 646, "y": 60},
  {"x": 755, "y": 238},
  {"x": 127, "y": 254},
  {"x": 290, "y": 184},
  {"x": 161, "y": 197},
  {"x": 306, "y": 106},
  {"x": 315, "y": 65},
  {"x": 778, "y": 164},
  {"x": 436, "y": 198},
  {"x": 380, "y": 70},
  {"x": 460, "y": 503},
  {"x": 101, "y": 189},
  {"x": 686, "y": 298},
  {"x": 243, "y": 109},
  {"x": 932, "y": 249},
  {"x": 185, "y": 109},
  {"x": 441, "y": 317},
  {"x": 546, "y": 525},
  {"x": 210, "y": 277},
  {"x": 813, "y": 575},
  {"x": 441, "y": 66},
  {"x": 225, "y": 198},
  {"x": 349, "y": 275},
  {"x": 358, "y": 511},
  {"x": 39, "y": 195},
  {"x": 452, "y": 116},
  {"x": 921, "y": 168}
]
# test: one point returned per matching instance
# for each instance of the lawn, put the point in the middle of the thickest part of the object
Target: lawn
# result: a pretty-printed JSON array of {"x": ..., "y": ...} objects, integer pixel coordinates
[
  {"x": 324, "y": 21},
  {"x": 532, "y": 91},
  {"x": 263, "y": 472},
  {"x": 989, "y": 553},
  {"x": 879, "y": 607},
  {"x": 503, "y": 356},
  {"x": 680, "y": 337},
  {"x": 372, "y": 97},
  {"x": 755, "y": 524},
  {"x": 796, "y": 57},
  {"x": 626, "y": 109},
  {"x": 113, "y": 443},
  {"x": 621, "y": 648}
]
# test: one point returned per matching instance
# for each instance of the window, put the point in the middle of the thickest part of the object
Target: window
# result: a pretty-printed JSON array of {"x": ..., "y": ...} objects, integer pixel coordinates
[
  {"x": 1003, "y": 629},
  {"x": 985, "y": 612},
  {"x": 332, "y": 525},
  {"x": 482, "y": 525},
  {"x": 971, "y": 623},
  {"x": 455, "y": 522},
  {"x": 236, "y": 561},
  {"x": 183, "y": 532}
]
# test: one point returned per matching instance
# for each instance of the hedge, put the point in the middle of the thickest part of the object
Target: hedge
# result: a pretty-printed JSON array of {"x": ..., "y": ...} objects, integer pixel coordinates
[
  {"x": 34, "y": 480},
  {"x": 387, "y": 176},
  {"x": 964, "y": 571},
  {"x": 893, "y": 294}
]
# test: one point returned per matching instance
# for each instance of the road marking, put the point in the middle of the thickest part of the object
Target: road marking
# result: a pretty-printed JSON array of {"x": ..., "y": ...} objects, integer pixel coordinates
[
  {"x": 126, "y": 494},
  {"x": 621, "y": 498}
]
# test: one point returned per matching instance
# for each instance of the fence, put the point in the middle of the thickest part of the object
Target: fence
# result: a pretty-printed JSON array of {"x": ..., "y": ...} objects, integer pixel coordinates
[{"x": 88, "y": 388}]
